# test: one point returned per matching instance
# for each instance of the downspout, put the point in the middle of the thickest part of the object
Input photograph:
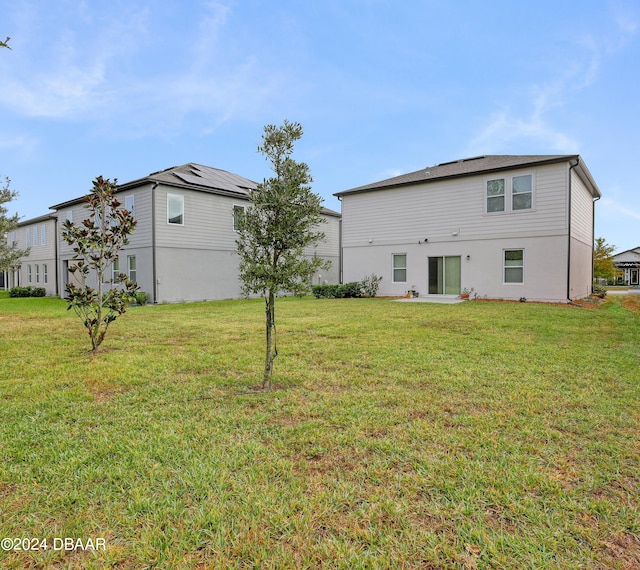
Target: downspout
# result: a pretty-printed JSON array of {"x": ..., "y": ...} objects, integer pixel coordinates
[
  {"x": 340, "y": 256},
  {"x": 569, "y": 234},
  {"x": 153, "y": 243},
  {"x": 56, "y": 255},
  {"x": 593, "y": 236}
]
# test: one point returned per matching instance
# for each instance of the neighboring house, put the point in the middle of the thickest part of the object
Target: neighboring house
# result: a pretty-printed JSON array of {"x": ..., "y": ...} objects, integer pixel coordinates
[
  {"x": 628, "y": 263},
  {"x": 184, "y": 245},
  {"x": 38, "y": 269},
  {"x": 508, "y": 227}
]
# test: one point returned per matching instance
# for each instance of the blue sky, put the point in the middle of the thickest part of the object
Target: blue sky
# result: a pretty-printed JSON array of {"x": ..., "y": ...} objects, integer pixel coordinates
[{"x": 128, "y": 87}]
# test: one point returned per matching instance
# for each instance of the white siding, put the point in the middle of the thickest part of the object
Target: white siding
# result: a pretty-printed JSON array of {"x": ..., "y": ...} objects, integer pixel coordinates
[
  {"x": 581, "y": 211},
  {"x": 439, "y": 209}
]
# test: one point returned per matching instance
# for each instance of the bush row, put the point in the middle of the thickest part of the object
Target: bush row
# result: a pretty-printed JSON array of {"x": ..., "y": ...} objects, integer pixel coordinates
[
  {"x": 368, "y": 287},
  {"x": 27, "y": 292},
  {"x": 342, "y": 291}
]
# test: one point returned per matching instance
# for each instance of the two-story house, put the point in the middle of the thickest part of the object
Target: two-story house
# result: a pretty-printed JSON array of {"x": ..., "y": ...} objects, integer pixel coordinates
[
  {"x": 508, "y": 227},
  {"x": 39, "y": 268},
  {"x": 184, "y": 244}
]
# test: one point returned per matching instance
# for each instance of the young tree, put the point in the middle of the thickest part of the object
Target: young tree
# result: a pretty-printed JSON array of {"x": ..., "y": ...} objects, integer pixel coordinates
[
  {"x": 603, "y": 265},
  {"x": 96, "y": 243},
  {"x": 282, "y": 221},
  {"x": 10, "y": 255}
]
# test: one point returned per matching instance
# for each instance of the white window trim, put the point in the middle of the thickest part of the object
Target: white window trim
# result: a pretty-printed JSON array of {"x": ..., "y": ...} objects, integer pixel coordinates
[
  {"x": 132, "y": 199},
  {"x": 504, "y": 266},
  {"x": 181, "y": 196},
  {"x": 233, "y": 221},
  {"x": 129, "y": 270},
  {"x": 508, "y": 193},
  {"x": 393, "y": 268}
]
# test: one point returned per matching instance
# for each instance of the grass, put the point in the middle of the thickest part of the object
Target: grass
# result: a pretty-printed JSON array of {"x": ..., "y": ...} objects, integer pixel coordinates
[{"x": 478, "y": 435}]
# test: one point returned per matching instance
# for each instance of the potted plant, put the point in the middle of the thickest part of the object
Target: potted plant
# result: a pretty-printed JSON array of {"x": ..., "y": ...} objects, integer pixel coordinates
[{"x": 464, "y": 294}]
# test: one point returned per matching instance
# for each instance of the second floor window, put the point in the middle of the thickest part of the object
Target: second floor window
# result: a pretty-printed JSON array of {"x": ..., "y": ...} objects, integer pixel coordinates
[
  {"x": 175, "y": 209},
  {"x": 495, "y": 195},
  {"x": 521, "y": 192},
  {"x": 509, "y": 194},
  {"x": 238, "y": 214},
  {"x": 129, "y": 204}
]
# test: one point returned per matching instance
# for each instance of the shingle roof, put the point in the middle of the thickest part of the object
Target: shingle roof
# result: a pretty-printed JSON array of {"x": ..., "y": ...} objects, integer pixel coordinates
[
  {"x": 193, "y": 176},
  {"x": 472, "y": 166},
  {"x": 204, "y": 177}
]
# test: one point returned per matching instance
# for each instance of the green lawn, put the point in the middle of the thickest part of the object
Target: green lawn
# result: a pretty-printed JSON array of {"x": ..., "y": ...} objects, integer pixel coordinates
[{"x": 398, "y": 435}]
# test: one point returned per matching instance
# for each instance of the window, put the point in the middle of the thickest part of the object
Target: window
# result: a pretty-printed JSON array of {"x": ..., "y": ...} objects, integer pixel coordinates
[
  {"x": 28, "y": 273},
  {"x": 45, "y": 275},
  {"x": 175, "y": 209},
  {"x": 13, "y": 237},
  {"x": 129, "y": 204},
  {"x": 37, "y": 274},
  {"x": 35, "y": 235},
  {"x": 28, "y": 237},
  {"x": 514, "y": 266},
  {"x": 43, "y": 235},
  {"x": 521, "y": 192},
  {"x": 399, "y": 267},
  {"x": 238, "y": 214},
  {"x": 133, "y": 274},
  {"x": 495, "y": 195},
  {"x": 69, "y": 216},
  {"x": 115, "y": 269}
]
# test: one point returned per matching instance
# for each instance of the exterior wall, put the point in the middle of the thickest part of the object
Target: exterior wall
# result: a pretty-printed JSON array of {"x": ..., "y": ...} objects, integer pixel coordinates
[
  {"x": 438, "y": 209},
  {"x": 581, "y": 257},
  {"x": 481, "y": 266},
  {"x": 581, "y": 270},
  {"x": 198, "y": 261},
  {"x": 40, "y": 264},
  {"x": 449, "y": 218}
]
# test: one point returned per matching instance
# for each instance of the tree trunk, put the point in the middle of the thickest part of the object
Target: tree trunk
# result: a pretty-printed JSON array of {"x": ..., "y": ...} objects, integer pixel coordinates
[{"x": 270, "y": 353}]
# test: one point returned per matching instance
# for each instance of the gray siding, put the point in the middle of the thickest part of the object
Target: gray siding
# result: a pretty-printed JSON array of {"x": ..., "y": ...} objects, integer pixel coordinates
[{"x": 39, "y": 256}]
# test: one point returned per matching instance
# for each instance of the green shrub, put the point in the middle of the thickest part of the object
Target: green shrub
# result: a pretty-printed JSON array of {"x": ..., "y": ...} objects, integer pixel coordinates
[
  {"x": 142, "y": 297},
  {"x": 370, "y": 285},
  {"x": 27, "y": 292},
  {"x": 20, "y": 292},
  {"x": 600, "y": 290},
  {"x": 342, "y": 291}
]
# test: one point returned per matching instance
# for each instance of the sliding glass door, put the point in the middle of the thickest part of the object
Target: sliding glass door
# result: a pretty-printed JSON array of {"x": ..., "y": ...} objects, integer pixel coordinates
[{"x": 444, "y": 275}]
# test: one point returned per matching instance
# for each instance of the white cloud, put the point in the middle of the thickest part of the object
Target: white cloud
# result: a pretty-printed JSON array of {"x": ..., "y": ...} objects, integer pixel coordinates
[
  {"x": 98, "y": 74},
  {"x": 613, "y": 207},
  {"x": 506, "y": 130}
]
